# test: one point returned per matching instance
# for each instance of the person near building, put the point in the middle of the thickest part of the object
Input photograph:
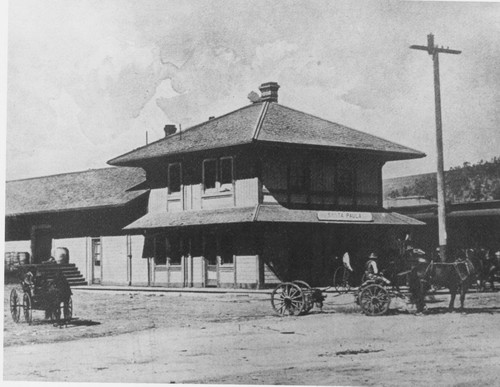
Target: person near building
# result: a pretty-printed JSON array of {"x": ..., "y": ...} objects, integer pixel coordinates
[
  {"x": 372, "y": 270},
  {"x": 494, "y": 269},
  {"x": 346, "y": 260}
]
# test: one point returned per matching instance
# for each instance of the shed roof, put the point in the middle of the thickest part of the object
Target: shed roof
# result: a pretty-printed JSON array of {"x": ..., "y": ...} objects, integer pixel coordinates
[
  {"x": 266, "y": 122},
  {"x": 271, "y": 213},
  {"x": 70, "y": 191}
]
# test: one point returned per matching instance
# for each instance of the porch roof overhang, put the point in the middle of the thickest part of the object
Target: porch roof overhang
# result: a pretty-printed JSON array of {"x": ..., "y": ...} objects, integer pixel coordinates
[
  {"x": 491, "y": 212},
  {"x": 268, "y": 214}
]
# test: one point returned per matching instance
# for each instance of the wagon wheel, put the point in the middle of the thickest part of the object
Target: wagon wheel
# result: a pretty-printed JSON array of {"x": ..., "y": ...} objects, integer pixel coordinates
[
  {"x": 288, "y": 298},
  {"x": 15, "y": 305},
  {"x": 304, "y": 285},
  {"x": 341, "y": 280},
  {"x": 28, "y": 308},
  {"x": 374, "y": 300},
  {"x": 68, "y": 309}
]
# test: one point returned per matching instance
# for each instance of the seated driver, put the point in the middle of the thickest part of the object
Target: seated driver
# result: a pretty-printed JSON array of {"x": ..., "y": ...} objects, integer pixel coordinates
[{"x": 372, "y": 271}]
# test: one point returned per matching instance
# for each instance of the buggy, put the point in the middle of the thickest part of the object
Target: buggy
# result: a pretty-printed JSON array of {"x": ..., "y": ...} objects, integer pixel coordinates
[{"x": 39, "y": 292}]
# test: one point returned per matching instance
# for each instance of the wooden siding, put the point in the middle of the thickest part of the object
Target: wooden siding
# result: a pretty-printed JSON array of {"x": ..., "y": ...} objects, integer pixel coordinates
[
  {"x": 114, "y": 260},
  {"x": 175, "y": 276},
  {"x": 226, "y": 276},
  {"x": 247, "y": 192},
  {"x": 160, "y": 277},
  {"x": 269, "y": 277},
  {"x": 243, "y": 193},
  {"x": 212, "y": 202},
  {"x": 18, "y": 246},
  {"x": 174, "y": 204},
  {"x": 196, "y": 197},
  {"x": 139, "y": 264},
  {"x": 198, "y": 271},
  {"x": 77, "y": 248},
  {"x": 157, "y": 200},
  {"x": 247, "y": 270}
]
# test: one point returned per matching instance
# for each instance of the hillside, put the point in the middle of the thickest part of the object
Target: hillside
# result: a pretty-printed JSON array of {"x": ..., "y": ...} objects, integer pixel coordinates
[{"x": 467, "y": 183}]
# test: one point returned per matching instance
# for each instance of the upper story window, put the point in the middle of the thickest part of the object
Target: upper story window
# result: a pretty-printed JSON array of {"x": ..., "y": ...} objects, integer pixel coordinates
[
  {"x": 174, "y": 178},
  {"x": 218, "y": 175}
]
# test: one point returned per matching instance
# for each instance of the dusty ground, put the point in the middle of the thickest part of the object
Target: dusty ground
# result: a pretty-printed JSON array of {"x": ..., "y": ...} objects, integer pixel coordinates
[{"x": 236, "y": 339}]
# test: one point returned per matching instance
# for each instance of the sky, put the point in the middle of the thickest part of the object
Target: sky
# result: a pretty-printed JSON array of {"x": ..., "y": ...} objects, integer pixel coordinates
[{"x": 87, "y": 79}]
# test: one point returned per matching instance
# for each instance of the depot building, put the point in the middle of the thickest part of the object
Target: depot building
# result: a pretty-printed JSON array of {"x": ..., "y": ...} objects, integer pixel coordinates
[{"x": 260, "y": 195}]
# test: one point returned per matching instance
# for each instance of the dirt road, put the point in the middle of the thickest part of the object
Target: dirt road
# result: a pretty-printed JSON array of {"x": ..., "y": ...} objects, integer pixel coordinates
[{"x": 186, "y": 342}]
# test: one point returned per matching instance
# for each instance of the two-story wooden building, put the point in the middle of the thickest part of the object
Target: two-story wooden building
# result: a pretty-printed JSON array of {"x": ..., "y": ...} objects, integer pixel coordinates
[{"x": 262, "y": 194}]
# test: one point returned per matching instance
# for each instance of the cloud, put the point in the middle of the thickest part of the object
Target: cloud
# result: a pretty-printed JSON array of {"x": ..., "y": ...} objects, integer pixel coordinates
[{"x": 112, "y": 70}]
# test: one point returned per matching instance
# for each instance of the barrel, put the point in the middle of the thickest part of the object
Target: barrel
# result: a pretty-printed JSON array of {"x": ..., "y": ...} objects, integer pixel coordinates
[
  {"x": 10, "y": 260},
  {"x": 23, "y": 258},
  {"x": 61, "y": 255}
]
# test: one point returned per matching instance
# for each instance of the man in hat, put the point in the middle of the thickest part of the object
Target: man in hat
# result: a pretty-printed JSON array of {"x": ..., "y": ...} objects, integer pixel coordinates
[{"x": 372, "y": 271}]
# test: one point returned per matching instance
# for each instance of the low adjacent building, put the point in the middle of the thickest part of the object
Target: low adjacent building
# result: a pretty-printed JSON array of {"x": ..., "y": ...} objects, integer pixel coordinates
[{"x": 84, "y": 212}]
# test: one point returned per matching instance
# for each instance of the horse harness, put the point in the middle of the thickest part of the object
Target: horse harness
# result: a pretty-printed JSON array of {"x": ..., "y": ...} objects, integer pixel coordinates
[{"x": 463, "y": 276}]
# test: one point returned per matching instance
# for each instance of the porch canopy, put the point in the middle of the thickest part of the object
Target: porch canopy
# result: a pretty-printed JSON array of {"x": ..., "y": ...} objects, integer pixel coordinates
[{"x": 269, "y": 214}]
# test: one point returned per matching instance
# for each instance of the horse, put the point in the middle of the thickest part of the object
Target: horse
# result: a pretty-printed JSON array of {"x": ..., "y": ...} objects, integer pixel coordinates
[
  {"x": 479, "y": 259},
  {"x": 49, "y": 294},
  {"x": 401, "y": 265},
  {"x": 455, "y": 276}
]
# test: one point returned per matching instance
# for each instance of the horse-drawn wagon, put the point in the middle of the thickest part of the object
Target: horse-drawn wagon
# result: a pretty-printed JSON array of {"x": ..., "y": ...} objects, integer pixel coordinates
[
  {"x": 410, "y": 268},
  {"x": 298, "y": 298},
  {"x": 39, "y": 292}
]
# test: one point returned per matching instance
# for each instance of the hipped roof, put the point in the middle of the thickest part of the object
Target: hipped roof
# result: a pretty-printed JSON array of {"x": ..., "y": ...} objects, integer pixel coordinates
[
  {"x": 266, "y": 123},
  {"x": 95, "y": 188},
  {"x": 261, "y": 213}
]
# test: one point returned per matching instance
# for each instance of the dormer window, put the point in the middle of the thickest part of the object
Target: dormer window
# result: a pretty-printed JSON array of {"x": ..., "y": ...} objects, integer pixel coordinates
[
  {"x": 218, "y": 175},
  {"x": 174, "y": 178}
]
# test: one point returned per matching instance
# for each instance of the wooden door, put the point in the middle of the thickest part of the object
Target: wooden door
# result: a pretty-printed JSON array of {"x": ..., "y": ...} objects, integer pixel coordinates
[
  {"x": 96, "y": 261},
  {"x": 42, "y": 244},
  {"x": 212, "y": 261}
]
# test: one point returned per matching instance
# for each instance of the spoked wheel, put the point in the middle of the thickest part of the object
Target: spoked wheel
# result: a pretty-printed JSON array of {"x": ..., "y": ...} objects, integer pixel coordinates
[
  {"x": 308, "y": 304},
  {"x": 288, "y": 299},
  {"x": 341, "y": 280},
  {"x": 28, "y": 308},
  {"x": 374, "y": 300},
  {"x": 15, "y": 305}
]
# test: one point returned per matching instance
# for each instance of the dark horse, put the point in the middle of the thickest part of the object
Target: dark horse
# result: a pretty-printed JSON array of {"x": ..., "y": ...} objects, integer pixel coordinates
[
  {"x": 49, "y": 294},
  {"x": 455, "y": 276}
]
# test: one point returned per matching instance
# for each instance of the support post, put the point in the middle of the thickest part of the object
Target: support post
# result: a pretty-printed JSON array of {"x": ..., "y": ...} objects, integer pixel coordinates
[{"x": 441, "y": 194}]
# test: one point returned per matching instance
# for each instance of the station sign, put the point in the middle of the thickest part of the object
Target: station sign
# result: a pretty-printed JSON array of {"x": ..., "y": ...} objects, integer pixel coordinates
[{"x": 345, "y": 216}]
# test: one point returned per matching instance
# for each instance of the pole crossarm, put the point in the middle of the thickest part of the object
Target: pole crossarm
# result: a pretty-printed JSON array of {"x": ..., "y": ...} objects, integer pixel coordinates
[{"x": 436, "y": 49}]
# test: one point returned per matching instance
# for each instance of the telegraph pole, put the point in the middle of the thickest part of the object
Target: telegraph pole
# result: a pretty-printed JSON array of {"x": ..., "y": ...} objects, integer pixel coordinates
[{"x": 434, "y": 51}]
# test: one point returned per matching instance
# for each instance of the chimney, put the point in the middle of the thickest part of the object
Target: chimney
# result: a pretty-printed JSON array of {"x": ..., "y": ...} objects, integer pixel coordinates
[
  {"x": 269, "y": 92},
  {"x": 211, "y": 118},
  {"x": 169, "y": 129}
]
